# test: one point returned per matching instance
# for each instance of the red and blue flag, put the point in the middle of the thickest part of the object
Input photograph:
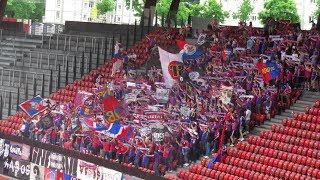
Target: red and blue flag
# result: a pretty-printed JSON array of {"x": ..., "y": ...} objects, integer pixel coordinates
[
  {"x": 33, "y": 106},
  {"x": 268, "y": 70}
]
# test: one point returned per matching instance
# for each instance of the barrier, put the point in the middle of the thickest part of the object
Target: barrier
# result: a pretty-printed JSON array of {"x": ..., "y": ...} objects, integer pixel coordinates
[{"x": 106, "y": 167}]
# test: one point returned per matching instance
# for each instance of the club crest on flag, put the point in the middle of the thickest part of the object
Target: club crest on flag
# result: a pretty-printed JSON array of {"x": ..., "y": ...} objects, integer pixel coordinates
[
  {"x": 190, "y": 49},
  {"x": 175, "y": 69},
  {"x": 33, "y": 106}
]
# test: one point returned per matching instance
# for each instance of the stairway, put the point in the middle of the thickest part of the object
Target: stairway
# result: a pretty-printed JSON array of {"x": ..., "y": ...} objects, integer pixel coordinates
[{"x": 307, "y": 99}]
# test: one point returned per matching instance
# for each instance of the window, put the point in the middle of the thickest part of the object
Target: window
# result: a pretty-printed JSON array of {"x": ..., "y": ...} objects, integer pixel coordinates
[
  {"x": 91, "y": 4},
  {"x": 84, "y": 17},
  {"x": 58, "y": 15},
  {"x": 313, "y": 1},
  {"x": 118, "y": 19},
  {"x": 253, "y": 18},
  {"x": 85, "y": 5},
  {"x": 119, "y": 7},
  {"x": 58, "y": 3}
]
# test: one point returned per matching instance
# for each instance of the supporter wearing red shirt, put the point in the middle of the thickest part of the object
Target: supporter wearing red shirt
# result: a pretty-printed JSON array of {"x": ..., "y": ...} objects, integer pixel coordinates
[
  {"x": 54, "y": 136},
  {"x": 106, "y": 149},
  {"x": 67, "y": 145}
]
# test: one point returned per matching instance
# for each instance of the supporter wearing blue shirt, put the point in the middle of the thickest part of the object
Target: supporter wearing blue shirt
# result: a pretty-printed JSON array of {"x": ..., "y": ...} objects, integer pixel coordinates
[
  {"x": 137, "y": 159},
  {"x": 156, "y": 164}
]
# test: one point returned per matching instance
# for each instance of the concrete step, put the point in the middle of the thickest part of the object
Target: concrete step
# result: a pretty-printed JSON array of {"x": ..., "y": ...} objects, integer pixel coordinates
[
  {"x": 6, "y": 64},
  {"x": 6, "y": 58},
  {"x": 11, "y": 54},
  {"x": 17, "y": 45},
  {"x": 24, "y": 40}
]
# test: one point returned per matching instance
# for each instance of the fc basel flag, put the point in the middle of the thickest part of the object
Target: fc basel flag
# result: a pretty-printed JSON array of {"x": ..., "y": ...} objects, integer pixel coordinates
[{"x": 268, "y": 70}]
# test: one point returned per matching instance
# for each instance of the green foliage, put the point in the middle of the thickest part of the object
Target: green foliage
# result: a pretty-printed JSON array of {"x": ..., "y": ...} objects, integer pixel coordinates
[
  {"x": 20, "y": 8},
  {"x": 317, "y": 12},
  {"x": 163, "y": 7},
  {"x": 213, "y": 10},
  {"x": 105, "y": 6},
  {"x": 244, "y": 11},
  {"x": 196, "y": 10},
  {"x": 280, "y": 10},
  {"x": 137, "y": 6}
]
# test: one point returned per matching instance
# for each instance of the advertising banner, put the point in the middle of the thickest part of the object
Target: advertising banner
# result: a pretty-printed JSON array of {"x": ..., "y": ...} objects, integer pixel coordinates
[
  {"x": 88, "y": 171},
  {"x": 17, "y": 169},
  {"x": 55, "y": 161}
]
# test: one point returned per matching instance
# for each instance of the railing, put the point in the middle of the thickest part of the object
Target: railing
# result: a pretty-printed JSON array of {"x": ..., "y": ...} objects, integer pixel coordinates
[
  {"x": 44, "y": 58},
  {"x": 81, "y": 41},
  {"x": 16, "y": 78}
]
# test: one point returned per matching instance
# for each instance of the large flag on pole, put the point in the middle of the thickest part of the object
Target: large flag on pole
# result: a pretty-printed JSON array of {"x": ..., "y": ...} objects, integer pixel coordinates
[{"x": 172, "y": 66}]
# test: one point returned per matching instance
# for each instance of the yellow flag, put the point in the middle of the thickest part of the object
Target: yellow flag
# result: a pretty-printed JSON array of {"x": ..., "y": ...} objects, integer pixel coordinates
[{"x": 94, "y": 13}]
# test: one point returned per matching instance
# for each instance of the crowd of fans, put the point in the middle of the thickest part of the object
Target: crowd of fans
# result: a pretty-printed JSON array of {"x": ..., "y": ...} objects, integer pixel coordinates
[{"x": 228, "y": 60}]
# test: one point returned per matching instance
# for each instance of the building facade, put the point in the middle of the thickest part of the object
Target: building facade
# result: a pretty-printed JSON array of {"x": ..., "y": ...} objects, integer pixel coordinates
[{"x": 59, "y": 11}]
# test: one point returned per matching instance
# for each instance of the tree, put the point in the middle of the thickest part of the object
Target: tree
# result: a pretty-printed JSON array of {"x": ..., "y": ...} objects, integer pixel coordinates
[
  {"x": 280, "y": 10},
  {"x": 317, "y": 12},
  {"x": 196, "y": 10},
  {"x": 20, "y": 8},
  {"x": 244, "y": 11},
  {"x": 137, "y": 6},
  {"x": 213, "y": 10},
  {"x": 163, "y": 7},
  {"x": 105, "y": 6}
]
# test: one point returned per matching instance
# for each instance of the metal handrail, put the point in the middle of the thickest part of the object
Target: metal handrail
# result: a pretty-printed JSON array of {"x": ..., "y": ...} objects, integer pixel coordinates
[{"x": 40, "y": 56}]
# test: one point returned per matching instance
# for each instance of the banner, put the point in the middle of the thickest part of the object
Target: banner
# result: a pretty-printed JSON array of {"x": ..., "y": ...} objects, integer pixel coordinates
[
  {"x": 4, "y": 148},
  {"x": 162, "y": 95},
  {"x": 46, "y": 122},
  {"x": 36, "y": 172},
  {"x": 19, "y": 151},
  {"x": 268, "y": 70},
  {"x": 159, "y": 132},
  {"x": 109, "y": 174},
  {"x": 17, "y": 169},
  {"x": 154, "y": 115},
  {"x": 226, "y": 94},
  {"x": 88, "y": 171},
  {"x": 81, "y": 97},
  {"x": 33, "y": 106},
  {"x": 55, "y": 161},
  {"x": 50, "y": 174},
  {"x": 172, "y": 66}
]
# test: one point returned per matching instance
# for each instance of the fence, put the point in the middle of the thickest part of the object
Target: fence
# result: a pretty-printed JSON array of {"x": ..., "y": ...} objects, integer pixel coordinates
[
  {"x": 53, "y": 60},
  {"x": 74, "y": 42}
]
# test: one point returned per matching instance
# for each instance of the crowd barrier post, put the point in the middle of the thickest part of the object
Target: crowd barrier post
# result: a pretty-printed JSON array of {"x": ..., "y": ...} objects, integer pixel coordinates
[
  {"x": 105, "y": 50},
  {"x": 42, "y": 87},
  {"x": 134, "y": 32},
  {"x": 74, "y": 67},
  {"x": 189, "y": 19},
  {"x": 112, "y": 47},
  {"x": 82, "y": 65},
  {"x": 67, "y": 72},
  {"x": 156, "y": 23},
  {"x": 9, "y": 104},
  {"x": 162, "y": 20},
  {"x": 90, "y": 60},
  {"x": 1, "y": 106},
  {"x": 149, "y": 21},
  {"x": 142, "y": 25},
  {"x": 18, "y": 98},
  {"x": 127, "y": 38},
  {"x": 59, "y": 76},
  {"x": 98, "y": 56},
  {"x": 34, "y": 87},
  {"x": 26, "y": 92},
  {"x": 50, "y": 82}
]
